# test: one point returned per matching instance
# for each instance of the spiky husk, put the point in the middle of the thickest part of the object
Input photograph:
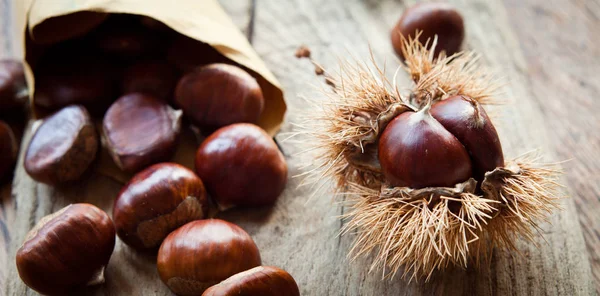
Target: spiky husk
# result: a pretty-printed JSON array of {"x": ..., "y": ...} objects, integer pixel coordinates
[{"x": 417, "y": 232}]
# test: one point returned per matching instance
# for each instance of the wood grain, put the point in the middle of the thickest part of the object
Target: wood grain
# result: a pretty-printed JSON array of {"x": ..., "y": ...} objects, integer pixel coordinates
[
  {"x": 300, "y": 233},
  {"x": 562, "y": 53}
]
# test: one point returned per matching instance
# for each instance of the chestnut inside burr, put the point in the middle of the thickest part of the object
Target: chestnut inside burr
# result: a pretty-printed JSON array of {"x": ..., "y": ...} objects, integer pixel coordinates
[
  {"x": 63, "y": 147},
  {"x": 157, "y": 201},
  {"x": 140, "y": 130},
  {"x": 432, "y": 18},
  {"x": 241, "y": 166}
]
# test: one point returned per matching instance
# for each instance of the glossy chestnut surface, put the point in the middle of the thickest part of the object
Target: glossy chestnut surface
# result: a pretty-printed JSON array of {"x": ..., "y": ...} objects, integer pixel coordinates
[
  {"x": 416, "y": 151},
  {"x": 61, "y": 80},
  {"x": 67, "y": 250},
  {"x": 13, "y": 88},
  {"x": 261, "y": 280},
  {"x": 203, "y": 253},
  {"x": 157, "y": 201},
  {"x": 433, "y": 18},
  {"x": 8, "y": 150},
  {"x": 63, "y": 147},
  {"x": 241, "y": 165},
  {"x": 154, "y": 77},
  {"x": 466, "y": 119},
  {"x": 219, "y": 94},
  {"x": 140, "y": 130}
]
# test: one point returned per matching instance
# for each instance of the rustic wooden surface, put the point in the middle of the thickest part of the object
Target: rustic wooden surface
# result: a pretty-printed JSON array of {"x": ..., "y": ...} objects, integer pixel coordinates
[{"x": 549, "y": 54}]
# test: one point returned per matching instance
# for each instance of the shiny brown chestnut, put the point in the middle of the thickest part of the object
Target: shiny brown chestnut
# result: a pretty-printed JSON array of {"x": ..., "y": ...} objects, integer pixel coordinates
[
  {"x": 140, "y": 130},
  {"x": 432, "y": 18},
  {"x": 154, "y": 77},
  {"x": 466, "y": 119},
  {"x": 62, "y": 80},
  {"x": 63, "y": 147},
  {"x": 219, "y": 94},
  {"x": 416, "y": 151},
  {"x": 13, "y": 88},
  {"x": 155, "y": 202},
  {"x": 67, "y": 250},
  {"x": 8, "y": 149},
  {"x": 203, "y": 253},
  {"x": 261, "y": 280},
  {"x": 241, "y": 165}
]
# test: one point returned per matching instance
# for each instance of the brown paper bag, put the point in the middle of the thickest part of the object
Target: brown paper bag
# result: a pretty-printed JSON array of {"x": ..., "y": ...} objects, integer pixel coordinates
[{"x": 47, "y": 22}]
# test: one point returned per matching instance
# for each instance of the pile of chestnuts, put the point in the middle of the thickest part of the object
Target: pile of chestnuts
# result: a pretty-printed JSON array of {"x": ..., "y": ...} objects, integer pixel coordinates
[
  {"x": 424, "y": 171},
  {"x": 145, "y": 83}
]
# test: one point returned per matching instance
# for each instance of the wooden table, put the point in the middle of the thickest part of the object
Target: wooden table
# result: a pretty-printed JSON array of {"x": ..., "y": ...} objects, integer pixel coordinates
[{"x": 549, "y": 53}]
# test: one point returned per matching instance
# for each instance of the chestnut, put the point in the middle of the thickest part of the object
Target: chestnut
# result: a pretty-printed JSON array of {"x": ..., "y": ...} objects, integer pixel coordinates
[
  {"x": 8, "y": 149},
  {"x": 13, "y": 88},
  {"x": 155, "y": 202},
  {"x": 140, "y": 130},
  {"x": 432, "y": 18},
  {"x": 466, "y": 119},
  {"x": 123, "y": 37},
  {"x": 261, "y": 280},
  {"x": 219, "y": 94},
  {"x": 62, "y": 80},
  {"x": 187, "y": 53},
  {"x": 155, "y": 78},
  {"x": 416, "y": 151},
  {"x": 203, "y": 253},
  {"x": 67, "y": 250},
  {"x": 241, "y": 165},
  {"x": 63, "y": 146}
]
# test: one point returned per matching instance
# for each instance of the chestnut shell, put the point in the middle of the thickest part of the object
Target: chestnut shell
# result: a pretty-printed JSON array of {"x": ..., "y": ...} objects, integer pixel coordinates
[
  {"x": 63, "y": 147},
  {"x": 140, "y": 130},
  {"x": 155, "y": 202},
  {"x": 416, "y": 151},
  {"x": 203, "y": 253},
  {"x": 433, "y": 18},
  {"x": 66, "y": 250},
  {"x": 241, "y": 165},
  {"x": 261, "y": 280},
  {"x": 218, "y": 95},
  {"x": 466, "y": 119}
]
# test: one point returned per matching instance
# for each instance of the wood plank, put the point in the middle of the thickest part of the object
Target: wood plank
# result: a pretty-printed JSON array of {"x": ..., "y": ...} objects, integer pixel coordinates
[
  {"x": 299, "y": 234},
  {"x": 562, "y": 52}
]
